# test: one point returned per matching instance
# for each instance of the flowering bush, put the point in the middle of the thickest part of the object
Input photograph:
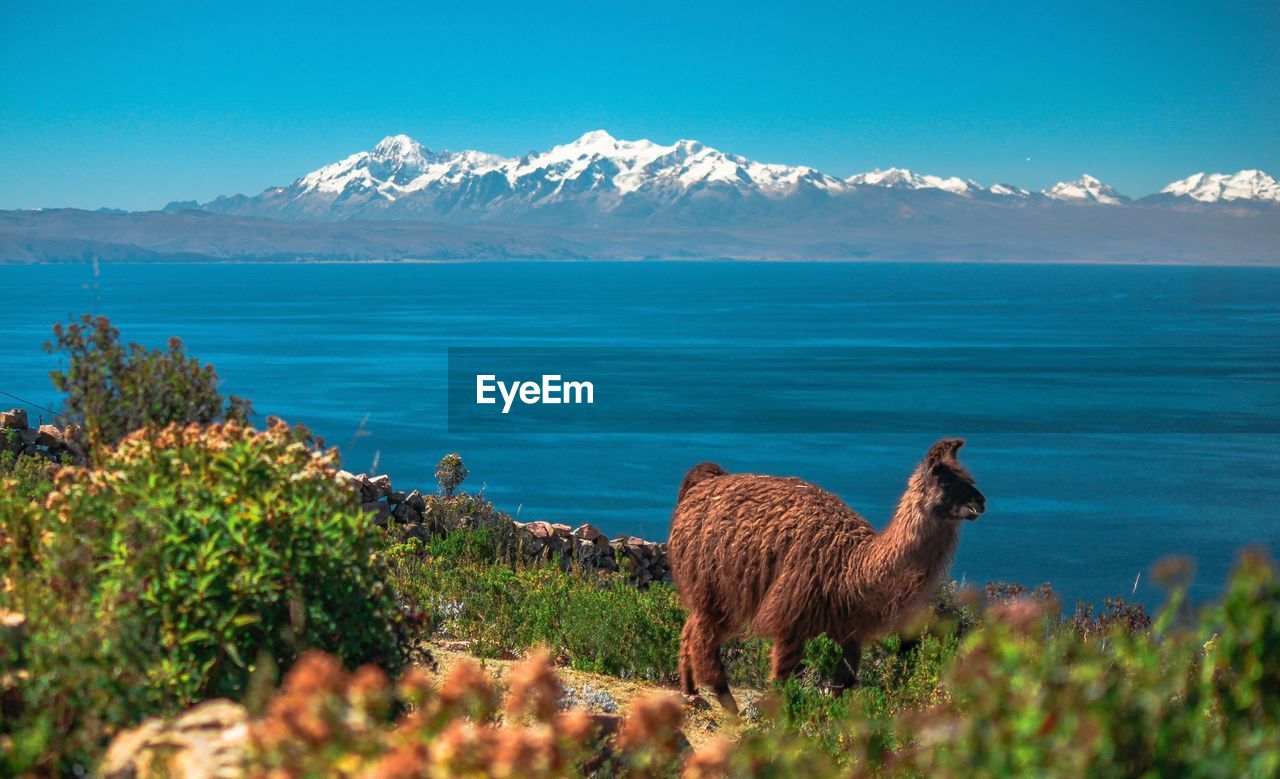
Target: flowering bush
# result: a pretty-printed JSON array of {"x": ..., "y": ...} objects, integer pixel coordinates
[
  {"x": 326, "y": 722},
  {"x": 184, "y": 559}
]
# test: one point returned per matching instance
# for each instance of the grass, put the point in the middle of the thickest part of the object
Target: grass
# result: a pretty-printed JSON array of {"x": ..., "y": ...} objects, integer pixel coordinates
[
  {"x": 596, "y": 624},
  {"x": 599, "y": 624}
]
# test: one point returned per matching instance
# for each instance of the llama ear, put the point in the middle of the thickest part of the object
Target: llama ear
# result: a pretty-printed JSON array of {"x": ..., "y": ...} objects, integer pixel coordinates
[{"x": 944, "y": 451}]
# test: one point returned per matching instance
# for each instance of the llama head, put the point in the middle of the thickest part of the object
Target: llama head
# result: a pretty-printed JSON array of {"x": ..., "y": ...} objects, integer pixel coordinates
[{"x": 949, "y": 487}]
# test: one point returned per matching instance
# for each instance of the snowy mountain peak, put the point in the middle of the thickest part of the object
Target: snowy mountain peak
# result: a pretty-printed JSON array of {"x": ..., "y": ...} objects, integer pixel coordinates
[
  {"x": 895, "y": 178},
  {"x": 901, "y": 178},
  {"x": 597, "y": 178},
  {"x": 1218, "y": 187},
  {"x": 595, "y": 138},
  {"x": 1008, "y": 190},
  {"x": 1085, "y": 189},
  {"x": 397, "y": 147}
]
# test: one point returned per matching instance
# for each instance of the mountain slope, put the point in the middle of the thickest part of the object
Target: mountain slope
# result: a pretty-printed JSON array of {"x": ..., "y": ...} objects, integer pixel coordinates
[
  {"x": 1085, "y": 189},
  {"x": 1246, "y": 185}
]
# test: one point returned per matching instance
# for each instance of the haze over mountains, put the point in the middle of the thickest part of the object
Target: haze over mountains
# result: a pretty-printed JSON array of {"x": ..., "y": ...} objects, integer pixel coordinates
[{"x": 607, "y": 198}]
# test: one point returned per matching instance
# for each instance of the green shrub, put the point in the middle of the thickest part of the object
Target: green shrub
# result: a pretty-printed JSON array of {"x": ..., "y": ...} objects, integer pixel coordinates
[
  {"x": 166, "y": 573},
  {"x": 597, "y": 623},
  {"x": 30, "y": 477},
  {"x": 113, "y": 389},
  {"x": 450, "y": 474}
]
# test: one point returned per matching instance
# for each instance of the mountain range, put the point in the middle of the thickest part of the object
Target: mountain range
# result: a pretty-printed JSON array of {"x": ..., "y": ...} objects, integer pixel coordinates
[
  {"x": 601, "y": 197},
  {"x": 598, "y": 179}
]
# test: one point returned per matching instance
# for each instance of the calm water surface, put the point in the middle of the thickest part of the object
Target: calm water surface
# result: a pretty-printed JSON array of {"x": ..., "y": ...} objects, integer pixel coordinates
[{"x": 358, "y": 352}]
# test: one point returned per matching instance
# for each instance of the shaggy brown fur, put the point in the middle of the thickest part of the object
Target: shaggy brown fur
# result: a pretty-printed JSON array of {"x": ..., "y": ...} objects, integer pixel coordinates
[{"x": 790, "y": 561}]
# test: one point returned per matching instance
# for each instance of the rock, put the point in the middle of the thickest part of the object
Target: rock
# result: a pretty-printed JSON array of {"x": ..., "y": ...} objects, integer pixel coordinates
[
  {"x": 376, "y": 487},
  {"x": 416, "y": 502},
  {"x": 632, "y": 553},
  {"x": 28, "y": 436},
  {"x": 589, "y": 697},
  {"x": 406, "y": 514},
  {"x": 587, "y": 532},
  {"x": 347, "y": 479},
  {"x": 381, "y": 512},
  {"x": 397, "y": 497},
  {"x": 48, "y": 435},
  {"x": 584, "y": 552},
  {"x": 15, "y": 419},
  {"x": 208, "y": 741},
  {"x": 540, "y": 530},
  {"x": 417, "y": 530}
]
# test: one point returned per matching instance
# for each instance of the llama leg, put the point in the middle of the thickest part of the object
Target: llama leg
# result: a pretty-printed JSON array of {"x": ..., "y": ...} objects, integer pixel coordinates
[
  {"x": 788, "y": 657},
  {"x": 688, "y": 687},
  {"x": 846, "y": 675},
  {"x": 705, "y": 636}
]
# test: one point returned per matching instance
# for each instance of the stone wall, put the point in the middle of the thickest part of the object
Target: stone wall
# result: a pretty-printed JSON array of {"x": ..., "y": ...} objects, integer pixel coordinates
[
  {"x": 415, "y": 514},
  {"x": 51, "y": 442}
]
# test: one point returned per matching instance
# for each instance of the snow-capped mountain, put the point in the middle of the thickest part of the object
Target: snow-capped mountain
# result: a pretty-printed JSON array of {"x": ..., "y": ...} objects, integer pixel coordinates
[
  {"x": 1246, "y": 185},
  {"x": 596, "y": 177},
  {"x": 899, "y": 178},
  {"x": 1008, "y": 190},
  {"x": 396, "y": 166},
  {"x": 598, "y": 180},
  {"x": 596, "y": 174},
  {"x": 1085, "y": 189}
]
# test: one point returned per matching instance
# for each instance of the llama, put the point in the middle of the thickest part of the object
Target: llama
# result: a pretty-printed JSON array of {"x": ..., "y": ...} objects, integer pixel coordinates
[{"x": 790, "y": 561}]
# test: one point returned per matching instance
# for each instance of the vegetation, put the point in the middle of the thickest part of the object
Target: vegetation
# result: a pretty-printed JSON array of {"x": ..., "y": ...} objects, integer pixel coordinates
[
  {"x": 113, "y": 389},
  {"x": 326, "y": 722},
  {"x": 28, "y": 477},
  {"x": 596, "y": 623},
  {"x": 184, "y": 559},
  {"x": 1022, "y": 694},
  {"x": 450, "y": 474}
]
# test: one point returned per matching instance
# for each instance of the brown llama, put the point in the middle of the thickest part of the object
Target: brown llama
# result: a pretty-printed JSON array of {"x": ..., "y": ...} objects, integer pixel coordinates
[{"x": 788, "y": 560}]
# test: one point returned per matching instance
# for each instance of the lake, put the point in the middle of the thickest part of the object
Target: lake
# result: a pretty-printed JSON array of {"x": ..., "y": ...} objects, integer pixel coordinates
[{"x": 1166, "y": 377}]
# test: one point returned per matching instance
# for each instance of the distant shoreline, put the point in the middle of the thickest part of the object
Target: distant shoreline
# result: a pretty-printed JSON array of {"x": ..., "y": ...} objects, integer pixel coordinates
[{"x": 1159, "y": 263}]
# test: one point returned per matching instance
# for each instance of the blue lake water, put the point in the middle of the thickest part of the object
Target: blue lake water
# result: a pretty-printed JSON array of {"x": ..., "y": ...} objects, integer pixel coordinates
[{"x": 359, "y": 353}]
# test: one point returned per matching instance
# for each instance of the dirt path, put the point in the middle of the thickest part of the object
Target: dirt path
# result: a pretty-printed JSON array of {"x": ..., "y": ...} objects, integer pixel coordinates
[{"x": 701, "y": 724}]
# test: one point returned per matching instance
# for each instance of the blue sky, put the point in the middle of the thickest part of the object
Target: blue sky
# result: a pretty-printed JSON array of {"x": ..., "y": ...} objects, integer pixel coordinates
[{"x": 133, "y": 105}]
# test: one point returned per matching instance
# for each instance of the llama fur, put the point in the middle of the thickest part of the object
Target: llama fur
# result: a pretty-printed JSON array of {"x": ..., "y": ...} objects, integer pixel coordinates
[{"x": 785, "y": 559}]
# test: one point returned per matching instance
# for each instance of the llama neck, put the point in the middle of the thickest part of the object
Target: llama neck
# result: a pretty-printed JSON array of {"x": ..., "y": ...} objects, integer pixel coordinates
[{"x": 902, "y": 565}]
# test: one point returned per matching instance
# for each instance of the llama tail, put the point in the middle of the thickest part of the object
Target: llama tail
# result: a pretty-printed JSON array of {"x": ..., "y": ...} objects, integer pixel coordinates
[{"x": 699, "y": 473}]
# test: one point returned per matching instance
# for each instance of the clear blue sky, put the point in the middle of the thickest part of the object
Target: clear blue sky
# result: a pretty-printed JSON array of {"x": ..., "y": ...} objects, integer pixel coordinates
[{"x": 135, "y": 104}]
